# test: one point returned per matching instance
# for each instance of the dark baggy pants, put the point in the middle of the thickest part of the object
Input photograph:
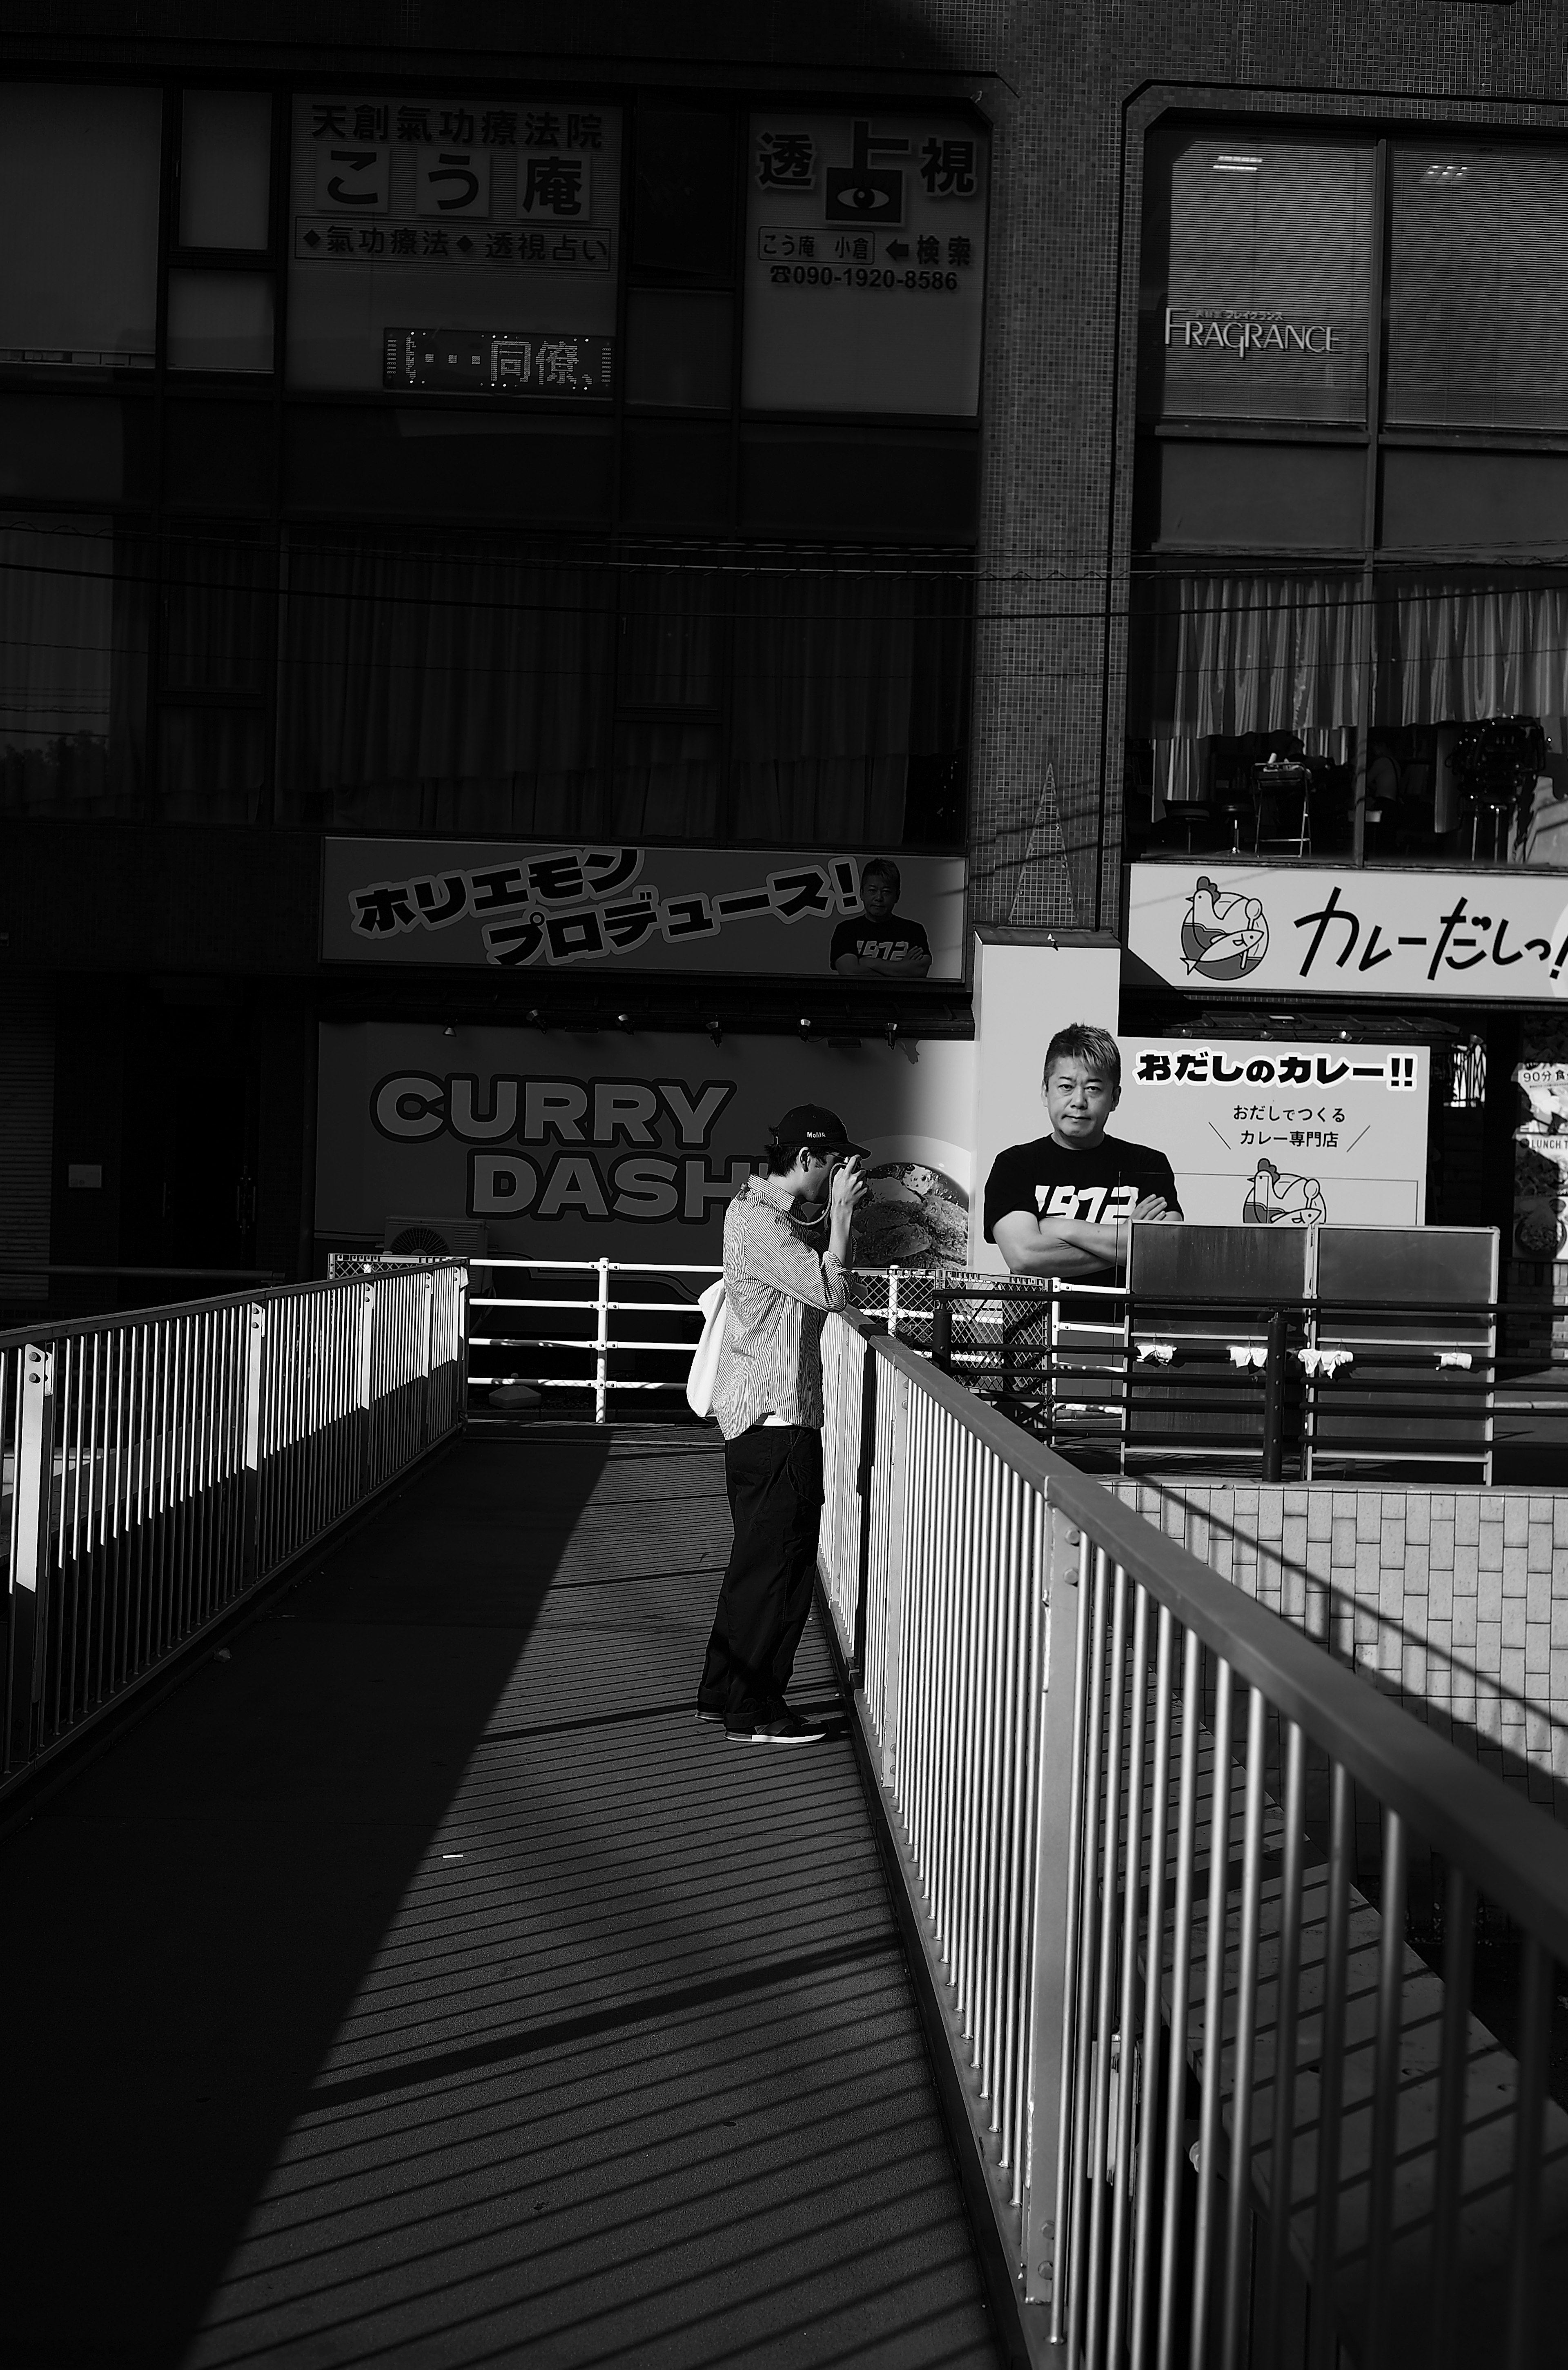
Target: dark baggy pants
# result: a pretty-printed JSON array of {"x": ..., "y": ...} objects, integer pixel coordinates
[{"x": 773, "y": 1475}]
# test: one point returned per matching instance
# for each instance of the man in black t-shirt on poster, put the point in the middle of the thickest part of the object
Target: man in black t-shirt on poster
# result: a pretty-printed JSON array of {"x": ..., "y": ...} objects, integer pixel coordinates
[
  {"x": 1062, "y": 1205},
  {"x": 880, "y": 942}
]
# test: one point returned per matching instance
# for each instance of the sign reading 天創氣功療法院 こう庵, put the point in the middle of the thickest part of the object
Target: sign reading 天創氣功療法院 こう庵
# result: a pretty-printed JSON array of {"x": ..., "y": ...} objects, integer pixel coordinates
[
  {"x": 1282, "y": 1135},
  {"x": 513, "y": 906},
  {"x": 1296, "y": 930}
]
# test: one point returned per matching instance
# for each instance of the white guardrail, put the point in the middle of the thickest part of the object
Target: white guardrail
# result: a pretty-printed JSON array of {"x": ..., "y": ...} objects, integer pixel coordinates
[
  {"x": 157, "y": 1466},
  {"x": 1223, "y": 2114}
]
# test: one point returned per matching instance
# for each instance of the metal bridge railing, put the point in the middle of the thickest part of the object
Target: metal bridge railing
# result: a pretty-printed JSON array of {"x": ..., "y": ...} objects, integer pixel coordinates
[
  {"x": 1226, "y": 2114},
  {"x": 159, "y": 1466}
]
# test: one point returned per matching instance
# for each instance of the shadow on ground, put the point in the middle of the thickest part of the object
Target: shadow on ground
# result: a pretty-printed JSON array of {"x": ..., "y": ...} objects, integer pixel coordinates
[{"x": 423, "y": 1985}]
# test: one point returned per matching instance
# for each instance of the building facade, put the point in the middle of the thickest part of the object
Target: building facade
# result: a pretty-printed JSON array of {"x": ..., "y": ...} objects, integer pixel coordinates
[{"x": 499, "y": 538}]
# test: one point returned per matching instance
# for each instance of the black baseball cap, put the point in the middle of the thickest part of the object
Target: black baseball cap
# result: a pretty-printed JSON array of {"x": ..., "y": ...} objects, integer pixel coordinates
[{"x": 816, "y": 1127}]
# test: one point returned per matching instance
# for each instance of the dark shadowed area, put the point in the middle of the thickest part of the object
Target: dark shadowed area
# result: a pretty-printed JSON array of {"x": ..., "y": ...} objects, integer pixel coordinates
[{"x": 424, "y": 1985}]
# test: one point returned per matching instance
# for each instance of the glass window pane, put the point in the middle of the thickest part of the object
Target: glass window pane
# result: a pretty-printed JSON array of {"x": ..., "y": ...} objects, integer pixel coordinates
[
  {"x": 212, "y": 764},
  {"x": 678, "y": 349},
  {"x": 1478, "y": 312},
  {"x": 73, "y": 667},
  {"x": 217, "y": 614},
  {"x": 71, "y": 448},
  {"x": 669, "y": 642},
  {"x": 220, "y": 320},
  {"x": 686, "y": 192},
  {"x": 1256, "y": 271},
  {"x": 431, "y": 688},
  {"x": 499, "y": 220},
  {"x": 667, "y": 784},
  {"x": 79, "y": 167},
  {"x": 225, "y": 164}
]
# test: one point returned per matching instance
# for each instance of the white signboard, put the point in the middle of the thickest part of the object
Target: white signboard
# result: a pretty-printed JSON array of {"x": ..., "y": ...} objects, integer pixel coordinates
[
  {"x": 1294, "y": 930},
  {"x": 1282, "y": 1135},
  {"x": 1541, "y": 1163},
  {"x": 865, "y": 263},
  {"x": 496, "y": 218}
]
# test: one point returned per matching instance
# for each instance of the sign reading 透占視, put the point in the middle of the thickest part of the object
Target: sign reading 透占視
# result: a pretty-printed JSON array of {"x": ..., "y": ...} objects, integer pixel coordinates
[
  {"x": 1280, "y": 930},
  {"x": 865, "y": 262},
  {"x": 494, "y": 219},
  {"x": 1282, "y": 1135},
  {"x": 515, "y": 906}
]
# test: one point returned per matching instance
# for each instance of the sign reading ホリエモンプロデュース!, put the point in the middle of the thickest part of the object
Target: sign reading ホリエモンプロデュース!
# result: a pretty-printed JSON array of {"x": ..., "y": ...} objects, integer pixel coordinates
[
  {"x": 865, "y": 262},
  {"x": 1289, "y": 929},
  {"x": 517, "y": 906}
]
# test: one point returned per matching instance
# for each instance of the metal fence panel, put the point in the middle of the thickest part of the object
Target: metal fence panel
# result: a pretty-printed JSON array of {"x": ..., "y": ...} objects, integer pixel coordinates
[
  {"x": 1233, "y": 2116},
  {"x": 157, "y": 1466}
]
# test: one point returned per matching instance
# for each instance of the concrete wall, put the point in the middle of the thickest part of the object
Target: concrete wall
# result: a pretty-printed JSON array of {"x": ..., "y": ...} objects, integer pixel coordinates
[{"x": 1453, "y": 1600}]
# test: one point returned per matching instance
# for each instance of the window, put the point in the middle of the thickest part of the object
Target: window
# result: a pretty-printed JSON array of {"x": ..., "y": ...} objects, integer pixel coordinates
[
  {"x": 73, "y": 667},
  {"x": 1256, "y": 272},
  {"x": 79, "y": 174},
  {"x": 461, "y": 246},
  {"x": 1478, "y": 307}
]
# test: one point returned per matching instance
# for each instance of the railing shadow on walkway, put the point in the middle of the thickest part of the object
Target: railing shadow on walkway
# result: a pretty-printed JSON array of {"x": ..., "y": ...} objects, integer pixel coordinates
[{"x": 421, "y": 1983}]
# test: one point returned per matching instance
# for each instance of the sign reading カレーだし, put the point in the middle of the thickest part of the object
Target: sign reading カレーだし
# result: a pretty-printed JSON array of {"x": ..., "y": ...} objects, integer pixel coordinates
[
  {"x": 865, "y": 263},
  {"x": 1288, "y": 928},
  {"x": 1282, "y": 1136}
]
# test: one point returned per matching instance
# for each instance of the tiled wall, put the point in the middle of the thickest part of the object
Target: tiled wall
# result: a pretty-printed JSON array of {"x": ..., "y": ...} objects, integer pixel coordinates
[{"x": 1455, "y": 1600}]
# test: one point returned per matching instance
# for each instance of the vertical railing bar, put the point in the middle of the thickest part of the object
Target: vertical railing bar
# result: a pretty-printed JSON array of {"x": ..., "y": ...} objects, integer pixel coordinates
[
  {"x": 1180, "y": 1985},
  {"x": 1281, "y": 2154},
  {"x": 1066, "y": 2123},
  {"x": 1131, "y": 1893},
  {"x": 1323, "y": 2337},
  {"x": 1238, "y": 2232},
  {"x": 1154, "y": 1954},
  {"x": 1071, "y": 2198},
  {"x": 1448, "y": 2175},
  {"x": 1111, "y": 1819},
  {"x": 1386, "y": 2084},
  {"x": 1214, "y": 2006},
  {"x": 1535, "y": 2057}
]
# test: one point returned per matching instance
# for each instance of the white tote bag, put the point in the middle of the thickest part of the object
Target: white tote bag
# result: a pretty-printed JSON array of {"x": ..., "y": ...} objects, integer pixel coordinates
[{"x": 705, "y": 1364}]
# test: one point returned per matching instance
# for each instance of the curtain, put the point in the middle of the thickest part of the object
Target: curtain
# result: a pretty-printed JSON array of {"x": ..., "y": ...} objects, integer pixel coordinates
[
  {"x": 426, "y": 686},
  {"x": 1455, "y": 653},
  {"x": 839, "y": 683},
  {"x": 1265, "y": 654},
  {"x": 72, "y": 668},
  {"x": 429, "y": 687}
]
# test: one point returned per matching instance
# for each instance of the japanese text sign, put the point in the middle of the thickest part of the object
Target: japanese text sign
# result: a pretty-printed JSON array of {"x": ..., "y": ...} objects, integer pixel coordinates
[
  {"x": 498, "y": 218},
  {"x": 579, "y": 1144},
  {"x": 1278, "y": 929},
  {"x": 514, "y": 908},
  {"x": 1282, "y": 1135},
  {"x": 865, "y": 262}
]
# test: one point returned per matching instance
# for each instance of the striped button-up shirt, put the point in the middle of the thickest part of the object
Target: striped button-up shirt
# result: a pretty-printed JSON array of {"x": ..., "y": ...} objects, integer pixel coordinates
[{"x": 777, "y": 1293}]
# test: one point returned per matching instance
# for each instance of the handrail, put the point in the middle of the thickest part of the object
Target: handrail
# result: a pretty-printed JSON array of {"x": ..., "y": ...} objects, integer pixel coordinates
[
  {"x": 158, "y": 1466},
  {"x": 1123, "y": 1799}
]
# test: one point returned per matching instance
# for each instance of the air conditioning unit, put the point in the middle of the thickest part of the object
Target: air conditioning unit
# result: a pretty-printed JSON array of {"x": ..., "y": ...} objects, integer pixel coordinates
[{"x": 413, "y": 1237}]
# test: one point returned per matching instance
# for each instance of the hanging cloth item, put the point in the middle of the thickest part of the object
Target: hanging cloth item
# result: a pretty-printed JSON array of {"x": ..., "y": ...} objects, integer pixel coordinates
[{"x": 704, "y": 1372}]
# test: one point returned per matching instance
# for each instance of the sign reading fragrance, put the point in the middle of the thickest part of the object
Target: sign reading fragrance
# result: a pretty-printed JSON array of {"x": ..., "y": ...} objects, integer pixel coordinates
[
  {"x": 1282, "y": 1135},
  {"x": 865, "y": 263},
  {"x": 525, "y": 906},
  {"x": 1449, "y": 935},
  {"x": 587, "y": 1145},
  {"x": 494, "y": 217}
]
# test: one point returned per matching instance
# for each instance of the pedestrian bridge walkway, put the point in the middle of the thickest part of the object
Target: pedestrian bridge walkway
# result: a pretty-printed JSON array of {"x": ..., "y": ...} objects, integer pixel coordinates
[{"x": 419, "y": 1983}]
